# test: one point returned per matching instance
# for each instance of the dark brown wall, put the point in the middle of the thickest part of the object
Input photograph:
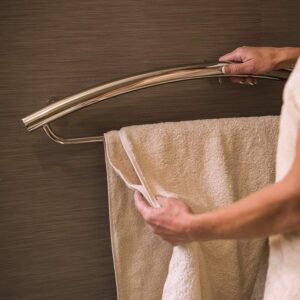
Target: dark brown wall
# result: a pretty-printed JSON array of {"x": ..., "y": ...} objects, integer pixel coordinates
[{"x": 54, "y": 232}]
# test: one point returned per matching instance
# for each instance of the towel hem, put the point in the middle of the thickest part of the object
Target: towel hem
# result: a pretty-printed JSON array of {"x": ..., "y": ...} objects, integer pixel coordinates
[
  {"x": 115, "y": 259},
  {"x": 149, "y": 195}
]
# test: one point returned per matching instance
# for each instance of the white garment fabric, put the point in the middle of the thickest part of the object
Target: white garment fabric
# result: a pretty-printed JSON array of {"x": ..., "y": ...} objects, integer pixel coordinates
[{"x": 283, "y": 277}]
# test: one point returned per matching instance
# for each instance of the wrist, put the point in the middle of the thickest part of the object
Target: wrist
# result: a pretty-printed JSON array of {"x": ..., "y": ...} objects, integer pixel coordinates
[
  {"x": 203, "y": 227},
  {"x": 285, "y": 57}
]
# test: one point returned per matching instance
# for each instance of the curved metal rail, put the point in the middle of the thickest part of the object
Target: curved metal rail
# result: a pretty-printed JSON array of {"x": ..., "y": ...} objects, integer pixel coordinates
[{"x": 54, "y": 111}]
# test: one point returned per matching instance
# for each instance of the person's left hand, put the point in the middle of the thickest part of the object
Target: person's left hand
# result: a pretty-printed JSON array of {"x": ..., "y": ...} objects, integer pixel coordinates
[{"x": 172, "y": 221}]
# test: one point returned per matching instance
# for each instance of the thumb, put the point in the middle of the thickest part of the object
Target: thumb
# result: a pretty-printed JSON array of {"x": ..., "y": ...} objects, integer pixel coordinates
[
  {"x": 231, "y": 56},
  {"x": 235, "y": 69}
]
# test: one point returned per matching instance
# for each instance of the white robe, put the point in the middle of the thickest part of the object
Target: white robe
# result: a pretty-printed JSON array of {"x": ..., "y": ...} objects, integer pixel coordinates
[{"x": 283, "y": 276}]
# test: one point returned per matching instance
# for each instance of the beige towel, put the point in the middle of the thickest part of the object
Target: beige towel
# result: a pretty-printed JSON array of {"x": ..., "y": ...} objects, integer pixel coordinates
[
  {"x": 207, "y": 164},
  {"x": 283, "y": 280}
]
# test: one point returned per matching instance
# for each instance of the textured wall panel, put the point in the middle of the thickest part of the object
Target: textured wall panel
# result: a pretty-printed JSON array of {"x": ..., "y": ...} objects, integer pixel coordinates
[{"x": 54, "y": 228}]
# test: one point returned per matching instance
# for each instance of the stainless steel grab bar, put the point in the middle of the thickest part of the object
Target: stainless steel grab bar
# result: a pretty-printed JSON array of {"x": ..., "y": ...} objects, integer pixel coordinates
[{"x": 54, "y": 111}]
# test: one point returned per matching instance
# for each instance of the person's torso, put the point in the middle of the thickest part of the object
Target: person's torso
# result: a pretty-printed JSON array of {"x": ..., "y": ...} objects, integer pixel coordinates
[{"x": 283, "y": 278}]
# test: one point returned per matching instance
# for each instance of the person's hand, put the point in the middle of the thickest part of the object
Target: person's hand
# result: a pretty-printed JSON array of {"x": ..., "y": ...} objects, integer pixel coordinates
[
  {"x": 250, "y": 60},
  {"x": 171, "y": 221}
]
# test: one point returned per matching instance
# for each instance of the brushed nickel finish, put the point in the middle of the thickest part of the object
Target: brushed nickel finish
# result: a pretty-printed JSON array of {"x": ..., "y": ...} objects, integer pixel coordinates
[
  {"x": 54, "y": 111},
  {"x": 65, "y": 141}
]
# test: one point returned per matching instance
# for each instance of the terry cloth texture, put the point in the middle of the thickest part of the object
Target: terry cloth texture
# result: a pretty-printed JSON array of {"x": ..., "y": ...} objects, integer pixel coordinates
[{"x": 207, "y": 164}]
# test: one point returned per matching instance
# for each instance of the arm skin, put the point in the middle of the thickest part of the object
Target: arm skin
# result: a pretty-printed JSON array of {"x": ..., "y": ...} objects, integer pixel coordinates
[
  {"x": 271, "y": 210},
  {"x": 258, "y": 60},
  {"x": 287, "y": 57}
]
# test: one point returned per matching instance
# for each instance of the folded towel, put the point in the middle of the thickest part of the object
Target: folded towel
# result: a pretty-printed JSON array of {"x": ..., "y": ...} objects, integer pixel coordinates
[
  {"x": 283, "y": 279},
  {"x": 207, "y": 164}
]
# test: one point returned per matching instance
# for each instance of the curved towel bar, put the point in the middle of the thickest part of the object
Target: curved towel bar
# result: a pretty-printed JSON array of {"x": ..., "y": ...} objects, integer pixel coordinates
[{"x": 56, "y": 110}]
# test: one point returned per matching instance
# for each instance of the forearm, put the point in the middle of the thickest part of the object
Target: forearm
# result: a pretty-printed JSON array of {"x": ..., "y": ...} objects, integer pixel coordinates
[
  {"x": 273, "y": 209},
  {"x": 286, "y": 57}
]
